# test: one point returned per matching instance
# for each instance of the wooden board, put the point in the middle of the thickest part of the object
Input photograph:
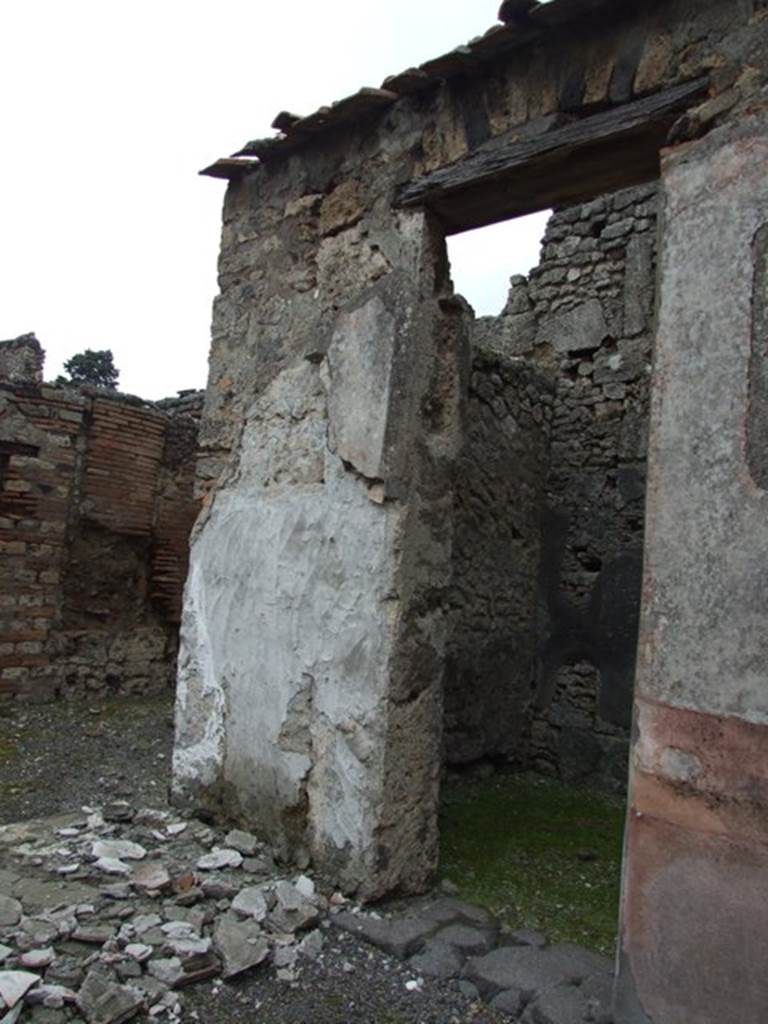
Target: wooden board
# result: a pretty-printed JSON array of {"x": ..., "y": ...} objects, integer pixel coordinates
[{"x": 511, "y": 175}]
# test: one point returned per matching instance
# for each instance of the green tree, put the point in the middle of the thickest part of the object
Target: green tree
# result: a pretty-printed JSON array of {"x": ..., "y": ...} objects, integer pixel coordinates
[{"x": 91, "y": 367}]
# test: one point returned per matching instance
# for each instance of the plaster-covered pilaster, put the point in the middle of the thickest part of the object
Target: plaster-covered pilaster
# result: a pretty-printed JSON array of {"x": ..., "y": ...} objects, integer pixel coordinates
[{"x": 694, "y": 920}]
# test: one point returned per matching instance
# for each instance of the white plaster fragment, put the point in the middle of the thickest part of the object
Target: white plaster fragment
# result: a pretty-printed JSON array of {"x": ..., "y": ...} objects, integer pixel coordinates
[
  {"x": 220, "y": 858},
  {"x": 121, "y": 849},
  {"x": 14, "y": 985}
]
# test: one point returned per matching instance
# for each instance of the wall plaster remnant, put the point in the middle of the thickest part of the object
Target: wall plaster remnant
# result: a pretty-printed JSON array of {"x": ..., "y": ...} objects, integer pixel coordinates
[
  {"x": 757, "y": 426},
  {"x": 294, "y": 578},
  {"x": 359, "y": 361},
  {"x": 697, "y": 839}
]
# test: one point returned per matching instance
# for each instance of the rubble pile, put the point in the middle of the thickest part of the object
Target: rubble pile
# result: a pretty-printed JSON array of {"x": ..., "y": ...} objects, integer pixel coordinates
[{"x": 108, "y": 914}]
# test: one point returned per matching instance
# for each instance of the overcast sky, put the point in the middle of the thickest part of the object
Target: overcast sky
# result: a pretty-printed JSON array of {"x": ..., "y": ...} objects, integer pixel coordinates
[{"x": 109, "y": 237}]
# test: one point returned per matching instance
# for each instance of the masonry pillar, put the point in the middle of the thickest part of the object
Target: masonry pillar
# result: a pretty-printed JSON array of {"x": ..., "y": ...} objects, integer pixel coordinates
[
  {"x": 309, "y": 704},
  {"x": 694, "y": 938}
]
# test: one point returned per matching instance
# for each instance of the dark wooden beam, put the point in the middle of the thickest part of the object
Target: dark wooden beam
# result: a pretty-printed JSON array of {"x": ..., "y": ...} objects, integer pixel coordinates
[{"x": 513, "y": 175}]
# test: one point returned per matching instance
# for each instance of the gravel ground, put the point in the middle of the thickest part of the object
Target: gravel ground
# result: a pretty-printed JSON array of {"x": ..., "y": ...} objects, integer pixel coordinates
[
  {"x": 350, "y": 982},
  {"x": 55, "y": 758}
]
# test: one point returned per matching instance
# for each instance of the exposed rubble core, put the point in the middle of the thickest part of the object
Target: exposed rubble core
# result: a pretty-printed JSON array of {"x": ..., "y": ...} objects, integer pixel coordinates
[{"x": 96, "y": 507}]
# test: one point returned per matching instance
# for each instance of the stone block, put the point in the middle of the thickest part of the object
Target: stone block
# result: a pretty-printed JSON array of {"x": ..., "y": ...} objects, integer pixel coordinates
[
  {"x": 240, "y": 944},
  {"x": 530, "y": 971},
  {"x": 102, "y": 1002},
  {"x": 467, "y": 940},
  {"x": 343, "y": 207},
  {"x": 438, "y": 959},
  {"x": 582, "y": 329},
  {"x": 572, "y": 1004},
  {"x": 359, "y": 360},
  {"x": 400, "y": 936}
]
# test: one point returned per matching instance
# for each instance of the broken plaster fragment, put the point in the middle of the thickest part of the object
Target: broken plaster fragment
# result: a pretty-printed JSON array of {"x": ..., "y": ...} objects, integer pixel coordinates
[
  {"x": 14, "y": 985},
  {"x": 118, "y": 849},
  {"x": 377, "y": 493},
  {"x": 220, "y": 858},
  {"x": 112, "y": 866}
]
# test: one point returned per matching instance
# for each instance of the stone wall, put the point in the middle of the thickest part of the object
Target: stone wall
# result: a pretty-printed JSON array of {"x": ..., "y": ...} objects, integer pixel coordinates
[
  {"x": 22, "y": 359},
  {"x": 95, "y": 511},
  {"x": 315, "y": 614},
  {"x": 582, "y": 320},
  {"x": 498, "y": 501}
]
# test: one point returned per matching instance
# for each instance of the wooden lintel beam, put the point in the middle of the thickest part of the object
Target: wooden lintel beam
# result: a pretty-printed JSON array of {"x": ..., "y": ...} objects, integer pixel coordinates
[{"x": 511, "y": 176}]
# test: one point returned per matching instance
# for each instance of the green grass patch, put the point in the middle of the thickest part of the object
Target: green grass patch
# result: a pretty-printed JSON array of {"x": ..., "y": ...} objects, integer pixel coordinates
[
  {"x": 9, "y": 746},
  {"x": 538, "y": 853}
]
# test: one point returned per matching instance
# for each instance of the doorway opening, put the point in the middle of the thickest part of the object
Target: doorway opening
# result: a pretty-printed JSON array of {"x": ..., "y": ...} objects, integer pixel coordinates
[
  {"x": 483, "y": 260},
  {"x": 548, "y": 521}
]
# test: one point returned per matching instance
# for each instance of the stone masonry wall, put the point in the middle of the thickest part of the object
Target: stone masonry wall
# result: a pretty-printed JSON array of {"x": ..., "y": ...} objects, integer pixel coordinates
[
  {"x": 584, "y": 316},
  {"x": 314, "y": 626},
  {"x": 498, "y": 499},
  {"x": 22, "y": 359},
  {"x": 95, "y": 510}
]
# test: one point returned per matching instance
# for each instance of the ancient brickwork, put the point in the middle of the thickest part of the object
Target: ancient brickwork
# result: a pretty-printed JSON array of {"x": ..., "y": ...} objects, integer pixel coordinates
[
  {"x": 95, "y": 510},
  {"x": 584, "y": 317},
  {"x": 499, "y": 491}
]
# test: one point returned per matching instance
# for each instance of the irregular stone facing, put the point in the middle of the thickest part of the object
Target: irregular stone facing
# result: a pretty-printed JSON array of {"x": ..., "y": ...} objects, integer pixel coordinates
[
  {"x": 22, "y": 359},
  {"x": 515, "y": 77},
  {"x": 573, "y": 529},
  {"x": 332, "y": 483},
  {"x": 581, "y": 329},
  {"x": 491, "y": 646},
  {"x": 313, "y": 249}
]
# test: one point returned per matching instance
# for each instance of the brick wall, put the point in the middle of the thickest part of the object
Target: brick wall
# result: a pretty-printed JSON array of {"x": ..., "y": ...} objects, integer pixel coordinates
[{"x": 96, "y": 508}]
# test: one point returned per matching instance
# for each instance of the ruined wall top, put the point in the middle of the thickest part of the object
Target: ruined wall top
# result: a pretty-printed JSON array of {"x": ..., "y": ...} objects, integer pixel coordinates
[
  {"x": 22, "y": 359},
  {"x": 541, "y": 74},
  {"x": 22, "y": 363}
]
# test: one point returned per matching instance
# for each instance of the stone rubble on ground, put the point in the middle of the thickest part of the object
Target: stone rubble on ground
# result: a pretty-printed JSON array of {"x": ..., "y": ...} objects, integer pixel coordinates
[{"x": 194, "y": 905}]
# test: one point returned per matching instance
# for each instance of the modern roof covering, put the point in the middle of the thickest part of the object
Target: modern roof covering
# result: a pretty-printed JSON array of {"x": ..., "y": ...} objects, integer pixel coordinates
[{"x": 535, "y": 20}]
